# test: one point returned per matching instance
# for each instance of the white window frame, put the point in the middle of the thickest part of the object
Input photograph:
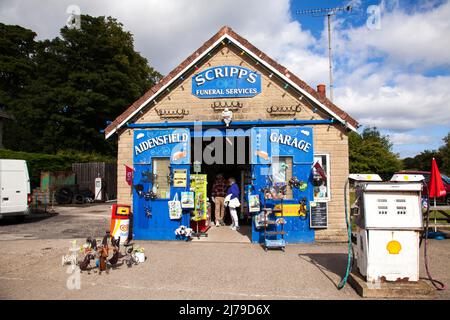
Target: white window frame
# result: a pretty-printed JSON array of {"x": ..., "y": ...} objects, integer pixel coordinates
[{"x": 328, "y": 165}]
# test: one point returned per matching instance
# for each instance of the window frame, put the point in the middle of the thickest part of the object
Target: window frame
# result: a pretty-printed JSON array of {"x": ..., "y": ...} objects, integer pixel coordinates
[
  {"x": 153, "y": 173},
  {"x": 328, "y": 184},
  {"x": 291, "y": 168}
]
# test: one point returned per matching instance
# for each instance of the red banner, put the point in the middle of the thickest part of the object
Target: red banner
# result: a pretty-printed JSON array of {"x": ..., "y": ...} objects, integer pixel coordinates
[
  {"x": 129, "y": 175},
  {"x": 320, "y": 171},
  {"x": 436, "y": 188}
]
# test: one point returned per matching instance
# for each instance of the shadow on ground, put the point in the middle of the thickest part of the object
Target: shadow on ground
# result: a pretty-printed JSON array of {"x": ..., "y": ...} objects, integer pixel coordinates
[
  {"x": 32, "y": 218},
  {"x": 331, "y": 262}
]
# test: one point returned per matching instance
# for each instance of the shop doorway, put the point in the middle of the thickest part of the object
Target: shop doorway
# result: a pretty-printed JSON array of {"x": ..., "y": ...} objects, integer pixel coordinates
[{"x": 230, "y": 157}]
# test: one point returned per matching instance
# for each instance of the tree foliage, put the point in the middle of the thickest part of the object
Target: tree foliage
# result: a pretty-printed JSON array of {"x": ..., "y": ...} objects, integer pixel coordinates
[
  {"x": 371, "y": 152},
  {"x": 67, "y": 88},
  {"x": 422, "y": 161}
]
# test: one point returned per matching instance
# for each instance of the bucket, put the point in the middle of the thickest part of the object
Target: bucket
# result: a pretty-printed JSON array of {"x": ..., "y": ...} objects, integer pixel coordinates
[{"x": 140, "y": 256}]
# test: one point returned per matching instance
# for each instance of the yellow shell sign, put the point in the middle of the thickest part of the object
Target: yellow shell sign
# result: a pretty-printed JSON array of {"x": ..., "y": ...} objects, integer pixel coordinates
[{"x": 394, "y": 247}]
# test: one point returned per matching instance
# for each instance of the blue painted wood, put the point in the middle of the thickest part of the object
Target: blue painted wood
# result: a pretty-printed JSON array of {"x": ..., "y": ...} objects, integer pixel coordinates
[
  {"x": 297, "y": 230},
  {"x": 158, "y": 226}
]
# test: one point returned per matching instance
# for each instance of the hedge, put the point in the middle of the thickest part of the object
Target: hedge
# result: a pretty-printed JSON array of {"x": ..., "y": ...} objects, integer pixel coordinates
[{"x": 62, "y": 161}]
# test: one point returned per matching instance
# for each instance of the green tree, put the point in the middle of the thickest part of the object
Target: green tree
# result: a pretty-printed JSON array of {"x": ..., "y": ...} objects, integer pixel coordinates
[
  {"x": 17, "y": 47},
  {"x": 422, "y": 161},
  {"x": 444, "y": 153},
  {"x": 371, "y": 152},
  {"x": 17, "y": 69},
  {"x": 83, "y": 78}
]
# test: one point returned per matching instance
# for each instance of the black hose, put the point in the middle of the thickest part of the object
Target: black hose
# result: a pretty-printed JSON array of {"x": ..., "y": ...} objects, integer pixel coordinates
[{"x": 436, "y": 283}]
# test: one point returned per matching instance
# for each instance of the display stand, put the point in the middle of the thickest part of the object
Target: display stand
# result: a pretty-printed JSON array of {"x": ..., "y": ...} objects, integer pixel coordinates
[
  {"x": 198, "y": 185},
  {"x": 273, "y": 243}
]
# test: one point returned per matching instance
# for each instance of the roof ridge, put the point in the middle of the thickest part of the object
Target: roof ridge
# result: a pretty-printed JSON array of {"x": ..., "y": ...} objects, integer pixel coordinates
[{"x": 226, "y": 30}]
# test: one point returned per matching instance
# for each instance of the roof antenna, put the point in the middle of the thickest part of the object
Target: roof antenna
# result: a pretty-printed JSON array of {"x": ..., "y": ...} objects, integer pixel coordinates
[{"x": 327, "y": 12}]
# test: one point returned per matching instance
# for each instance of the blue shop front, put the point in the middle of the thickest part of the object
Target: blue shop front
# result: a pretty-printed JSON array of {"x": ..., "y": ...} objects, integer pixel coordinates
[
  {"x": 229, "y": 110},
  {"x": 275, "y": 178}
]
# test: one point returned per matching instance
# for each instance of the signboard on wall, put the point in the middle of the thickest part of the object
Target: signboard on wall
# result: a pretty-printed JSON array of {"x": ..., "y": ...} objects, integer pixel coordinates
[
  {"x": 167, "y": 143},
  {"x": 226, "y": 82},
  {"x": 179, "y": 178},
  {"x": 269, "y": 143},
  {"x": 319, "y": 214}
]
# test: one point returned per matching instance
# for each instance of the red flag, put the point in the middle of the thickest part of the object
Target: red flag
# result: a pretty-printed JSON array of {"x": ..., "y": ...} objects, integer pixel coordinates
[
  {"x": 320, "y": 170},
  {"x": 436, "y": 188},
  {"x": 129, "y": 175}
]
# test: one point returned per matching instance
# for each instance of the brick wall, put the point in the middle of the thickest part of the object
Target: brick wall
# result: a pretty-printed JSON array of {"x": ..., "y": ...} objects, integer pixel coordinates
[{"x": 329, "y": 139}]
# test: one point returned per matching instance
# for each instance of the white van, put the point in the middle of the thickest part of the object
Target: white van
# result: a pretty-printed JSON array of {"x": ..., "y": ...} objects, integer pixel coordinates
[{"x": 15, "y": 195}]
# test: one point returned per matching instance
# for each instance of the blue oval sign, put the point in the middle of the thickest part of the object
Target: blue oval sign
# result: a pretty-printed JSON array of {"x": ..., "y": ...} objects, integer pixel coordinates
[{"x": 226, "y": 82}]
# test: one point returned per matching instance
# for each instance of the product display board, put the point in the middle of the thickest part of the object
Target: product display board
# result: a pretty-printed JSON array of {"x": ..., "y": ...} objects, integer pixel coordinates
[
  {"x": 282, "y": 160},
  {"x": 319, "y": 214},
  {"x": 161, "y": 161},
  {"x": 198, "y": 186}
]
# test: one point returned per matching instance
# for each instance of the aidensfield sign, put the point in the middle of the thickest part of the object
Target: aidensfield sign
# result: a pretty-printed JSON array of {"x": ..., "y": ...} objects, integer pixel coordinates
[{"x": 226, "y": 82}]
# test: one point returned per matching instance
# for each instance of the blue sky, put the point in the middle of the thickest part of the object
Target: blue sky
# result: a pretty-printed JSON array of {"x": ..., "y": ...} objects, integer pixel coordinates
[
  {"x": 407, "y": 142},
  {"x": 395, "y": 77}
]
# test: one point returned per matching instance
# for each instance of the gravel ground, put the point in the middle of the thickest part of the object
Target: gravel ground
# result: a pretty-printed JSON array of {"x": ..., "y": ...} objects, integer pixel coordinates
[{"x": 30, "y": 267}]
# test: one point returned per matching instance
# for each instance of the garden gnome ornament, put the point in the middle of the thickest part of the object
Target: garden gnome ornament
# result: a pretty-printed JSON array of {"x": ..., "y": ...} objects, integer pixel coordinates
[{"x": 227, "y": 115}]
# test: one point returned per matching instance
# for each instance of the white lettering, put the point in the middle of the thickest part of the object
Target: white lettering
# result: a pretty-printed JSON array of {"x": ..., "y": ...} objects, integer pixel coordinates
[
  {"x": 207, "y": 76},
  {"x": 233, "y": 71},
  {"x": 218, "y": 72},
  {"x": 200, "y": 80},
  {"x": 159, "y": 141},
  {"x": 252, "y": 78},
  {"x": 289, "y": 141},
  {"x": 242, "y": 73}
]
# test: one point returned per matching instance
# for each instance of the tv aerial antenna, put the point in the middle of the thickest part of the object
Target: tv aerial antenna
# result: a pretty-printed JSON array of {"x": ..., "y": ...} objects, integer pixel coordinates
[{"x": 328, "y": 12}]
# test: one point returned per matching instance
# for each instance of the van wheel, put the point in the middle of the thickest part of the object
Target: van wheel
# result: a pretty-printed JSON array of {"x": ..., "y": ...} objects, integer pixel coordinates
[{"x": 20, "y": 219}]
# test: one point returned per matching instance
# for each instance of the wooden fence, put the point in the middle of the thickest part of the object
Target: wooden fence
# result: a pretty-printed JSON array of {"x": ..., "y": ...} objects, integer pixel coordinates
[{"x": 87, "y": 172}]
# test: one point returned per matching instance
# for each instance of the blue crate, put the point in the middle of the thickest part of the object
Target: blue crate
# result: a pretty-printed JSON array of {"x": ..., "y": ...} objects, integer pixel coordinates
[{"x": 278, "y": 243}]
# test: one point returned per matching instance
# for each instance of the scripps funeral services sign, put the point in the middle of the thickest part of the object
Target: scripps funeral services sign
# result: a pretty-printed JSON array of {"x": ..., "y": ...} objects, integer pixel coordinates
[{"x": 226, "y": 82}]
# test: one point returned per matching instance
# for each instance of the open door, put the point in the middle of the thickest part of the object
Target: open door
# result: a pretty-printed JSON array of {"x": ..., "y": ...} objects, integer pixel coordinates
[
  {"x": 161, "y": 164},
  {"x": 279, "y": 154}
]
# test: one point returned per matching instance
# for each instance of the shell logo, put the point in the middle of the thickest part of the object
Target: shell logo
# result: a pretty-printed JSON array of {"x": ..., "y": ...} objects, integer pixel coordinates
[
  {"x": 124, "y": 227},
  {"x": 406, "y": 178},
  {"x": 394, "y": 247}
]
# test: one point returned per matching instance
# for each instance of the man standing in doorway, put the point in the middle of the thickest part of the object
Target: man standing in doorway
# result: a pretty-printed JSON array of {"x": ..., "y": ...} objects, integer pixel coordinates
[
  {"x": 218, "y": 192},
  {"x": 232, "y": 201}
]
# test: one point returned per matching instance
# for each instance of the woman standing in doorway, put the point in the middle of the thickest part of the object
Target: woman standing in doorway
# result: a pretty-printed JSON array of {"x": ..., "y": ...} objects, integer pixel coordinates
[
  {"x": 232, "y": 201},
  {"x": 219, "y": 190}
]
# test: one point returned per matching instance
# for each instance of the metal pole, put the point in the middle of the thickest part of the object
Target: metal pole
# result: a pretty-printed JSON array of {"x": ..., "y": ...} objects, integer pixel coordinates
[
  {"x": 330, "y": 57},
  {"x": 435, "y": 227}
]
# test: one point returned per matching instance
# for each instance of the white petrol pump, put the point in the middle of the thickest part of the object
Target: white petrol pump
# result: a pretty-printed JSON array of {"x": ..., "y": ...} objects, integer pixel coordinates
[
  {"x": 388, "y": 225},
  {"x": 98, "y": 189}
]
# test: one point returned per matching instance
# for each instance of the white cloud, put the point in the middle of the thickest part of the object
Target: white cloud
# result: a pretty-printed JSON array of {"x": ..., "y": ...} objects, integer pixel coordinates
[
  {"x": 407, "y": 139},
  {"x": 379, "y": 74}
]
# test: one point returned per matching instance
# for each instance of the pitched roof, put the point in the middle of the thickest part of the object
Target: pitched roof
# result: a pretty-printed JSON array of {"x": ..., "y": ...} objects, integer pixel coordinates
[{"x": 227, "y": 32}]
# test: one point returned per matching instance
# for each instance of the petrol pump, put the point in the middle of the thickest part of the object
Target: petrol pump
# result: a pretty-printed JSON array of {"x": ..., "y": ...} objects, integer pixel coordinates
[
  {"x": 98, "y": 189},
  {"x": 120, "y": 221},
  {"x": 388, "y": 226}
]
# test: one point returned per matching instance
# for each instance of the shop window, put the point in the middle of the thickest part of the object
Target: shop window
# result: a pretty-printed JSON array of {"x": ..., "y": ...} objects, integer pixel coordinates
[
  {"x": 321, "y": 179},
  {"x": 282, "y": 172},
  {"x": 161, "y": 171}
]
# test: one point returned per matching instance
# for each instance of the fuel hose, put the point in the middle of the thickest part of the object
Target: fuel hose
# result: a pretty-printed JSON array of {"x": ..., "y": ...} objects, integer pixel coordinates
[
  {"x": 436, "y": 283},
  {"x": 349, "y": 234}
]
